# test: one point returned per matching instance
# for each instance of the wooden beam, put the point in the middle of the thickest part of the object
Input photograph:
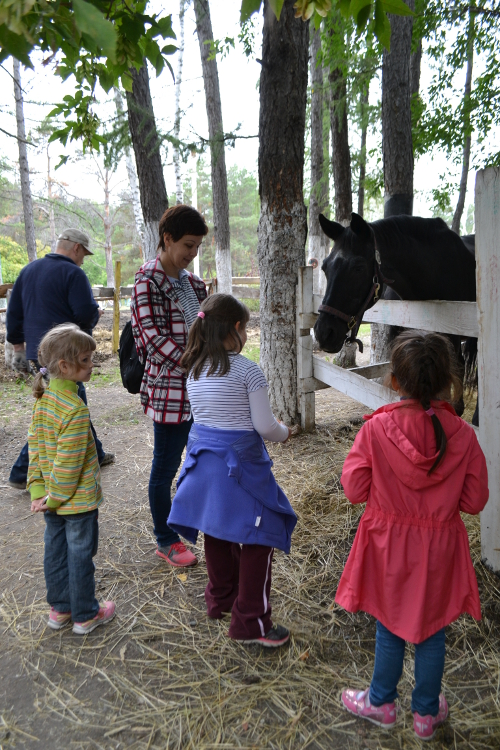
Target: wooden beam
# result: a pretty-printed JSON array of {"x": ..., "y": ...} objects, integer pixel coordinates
[
  {"x": 246, "y": 292},
  {"x": 379, "y": 370},
  {"x": 246, "y": 280},
  {"x": 4, "y": 288},
  {"x": 487, "y": 221},
  {"x": 430, "y": 315},
  {"x": 356, "y": 386}
]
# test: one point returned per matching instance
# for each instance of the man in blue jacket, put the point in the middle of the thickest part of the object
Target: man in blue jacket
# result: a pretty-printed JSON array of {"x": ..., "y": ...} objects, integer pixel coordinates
[{"x": 50, "y": 291}]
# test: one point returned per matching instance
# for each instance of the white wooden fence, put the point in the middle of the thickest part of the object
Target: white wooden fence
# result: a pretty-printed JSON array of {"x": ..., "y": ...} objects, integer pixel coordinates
[{"x": 481, "y": 319}]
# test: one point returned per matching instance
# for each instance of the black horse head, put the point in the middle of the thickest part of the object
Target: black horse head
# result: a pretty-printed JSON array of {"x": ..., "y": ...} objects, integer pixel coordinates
[{"x": 349, "y": 271}]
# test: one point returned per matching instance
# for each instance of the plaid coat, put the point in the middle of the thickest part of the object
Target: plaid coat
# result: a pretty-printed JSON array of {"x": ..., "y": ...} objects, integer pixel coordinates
[{"x": 161, "y": 333}]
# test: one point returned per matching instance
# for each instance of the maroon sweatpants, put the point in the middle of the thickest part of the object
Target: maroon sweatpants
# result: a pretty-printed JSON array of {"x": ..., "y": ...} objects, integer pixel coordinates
[{"x": 240, "y": 583}]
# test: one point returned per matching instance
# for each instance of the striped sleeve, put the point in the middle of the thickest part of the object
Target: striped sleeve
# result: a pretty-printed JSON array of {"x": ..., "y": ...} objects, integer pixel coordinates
[
  {"x": 70, "y": 457},
  {"x": 36, "y": 482},
  {"x": 254, "y": 377}
]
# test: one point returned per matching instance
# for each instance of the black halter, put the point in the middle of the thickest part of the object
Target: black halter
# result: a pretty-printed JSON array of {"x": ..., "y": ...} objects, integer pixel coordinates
[{"x": 354, "y": 321}]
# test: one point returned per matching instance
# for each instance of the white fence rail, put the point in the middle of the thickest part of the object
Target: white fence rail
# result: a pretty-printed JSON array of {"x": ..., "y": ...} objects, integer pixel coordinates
[{"x": 481, "y": 319}]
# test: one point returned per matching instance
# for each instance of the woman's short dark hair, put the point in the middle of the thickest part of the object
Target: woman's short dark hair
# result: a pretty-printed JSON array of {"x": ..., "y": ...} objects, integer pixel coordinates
[
  {"x": 208, "y": 334},
  {"x": 180, "y": 220}
]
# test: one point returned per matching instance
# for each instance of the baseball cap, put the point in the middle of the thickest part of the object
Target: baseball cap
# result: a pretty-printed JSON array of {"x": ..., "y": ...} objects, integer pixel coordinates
[{"x": 74, "y": 235}]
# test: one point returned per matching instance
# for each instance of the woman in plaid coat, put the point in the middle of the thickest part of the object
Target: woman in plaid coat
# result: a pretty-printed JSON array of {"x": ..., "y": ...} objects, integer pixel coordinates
[{"x": 165, "y": 301}]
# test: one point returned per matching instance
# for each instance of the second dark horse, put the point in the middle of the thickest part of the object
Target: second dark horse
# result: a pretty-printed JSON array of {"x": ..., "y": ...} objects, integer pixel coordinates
[{"x": 419, "y": 259}]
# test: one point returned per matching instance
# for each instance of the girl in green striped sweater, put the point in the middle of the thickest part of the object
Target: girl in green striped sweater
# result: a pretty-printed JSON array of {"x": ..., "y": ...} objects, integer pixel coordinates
[{"x": 64, "y": 479}]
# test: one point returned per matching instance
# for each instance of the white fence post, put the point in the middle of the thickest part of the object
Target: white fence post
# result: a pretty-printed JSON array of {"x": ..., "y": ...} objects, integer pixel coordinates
[
  {"x": 305, "y": 320},
  {"x": 487, "y": 216}
]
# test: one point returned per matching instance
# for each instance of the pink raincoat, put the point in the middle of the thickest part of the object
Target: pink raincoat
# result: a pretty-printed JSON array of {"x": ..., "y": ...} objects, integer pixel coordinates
[{"x": 410, "y": 564}]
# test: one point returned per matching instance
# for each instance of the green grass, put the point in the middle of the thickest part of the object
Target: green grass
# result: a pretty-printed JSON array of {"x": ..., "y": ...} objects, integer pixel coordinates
[
  {"x": 252, "y": 351},
  {"x": 252, "y": 304},
  {"x": 111, "y": 376}
]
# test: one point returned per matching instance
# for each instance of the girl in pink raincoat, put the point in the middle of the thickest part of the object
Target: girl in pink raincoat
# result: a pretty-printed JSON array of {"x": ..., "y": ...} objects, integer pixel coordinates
[{"x": 416, "y": 465}]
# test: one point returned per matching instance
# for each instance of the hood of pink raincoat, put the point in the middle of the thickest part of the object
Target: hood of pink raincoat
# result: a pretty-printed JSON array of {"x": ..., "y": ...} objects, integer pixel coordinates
[{"x": 399, "y": 423}]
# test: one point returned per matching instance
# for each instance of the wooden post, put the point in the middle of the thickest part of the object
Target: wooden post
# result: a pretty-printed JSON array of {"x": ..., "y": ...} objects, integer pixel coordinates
[
  {"x": 305, "y": 320},
  {"x": 116, "y": 306},
  {"x": 487, "y": 215}
]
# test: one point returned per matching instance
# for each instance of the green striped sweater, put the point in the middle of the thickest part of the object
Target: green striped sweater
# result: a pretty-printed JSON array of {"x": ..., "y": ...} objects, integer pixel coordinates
[{"x": 63, "y": 456}]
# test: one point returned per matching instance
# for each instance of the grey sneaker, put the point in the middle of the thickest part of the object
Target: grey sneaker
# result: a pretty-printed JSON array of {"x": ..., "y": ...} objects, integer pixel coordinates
[
  {"x": 108, "y": 458},
  {"x": 18, "y": 485}
]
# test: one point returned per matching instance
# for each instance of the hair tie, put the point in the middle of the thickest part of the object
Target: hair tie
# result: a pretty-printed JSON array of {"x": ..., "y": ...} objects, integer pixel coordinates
[
  {"x": 201, "y": 314},
  {"x": 43, "y": 370},
  {"x": 430, "y": 412}
]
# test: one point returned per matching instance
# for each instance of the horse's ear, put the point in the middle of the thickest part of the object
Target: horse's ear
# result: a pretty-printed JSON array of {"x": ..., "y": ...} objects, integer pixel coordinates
[
  {"x": 360, "y": 227},
  {"x": 332, "y": 229}
]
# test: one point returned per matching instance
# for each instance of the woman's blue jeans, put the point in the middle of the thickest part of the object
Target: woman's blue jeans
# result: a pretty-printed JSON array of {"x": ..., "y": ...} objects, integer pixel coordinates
[
  {"x": 429, "y": 668},
  {"x": 70, "y": 544},
  {"x": 169, "y": 442}
]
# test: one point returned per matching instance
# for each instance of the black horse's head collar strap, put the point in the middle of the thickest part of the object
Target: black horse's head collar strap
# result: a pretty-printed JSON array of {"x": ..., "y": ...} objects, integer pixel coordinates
[{"x": 354, "y": 321}]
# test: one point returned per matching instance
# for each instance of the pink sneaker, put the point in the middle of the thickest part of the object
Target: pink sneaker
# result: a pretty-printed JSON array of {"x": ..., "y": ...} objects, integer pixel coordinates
[
  {"x": 426, "y": 726},
  {"x": 105, "y": 614},
  {"x": 58, "y": 620},
  {"x": 357, "y": 702},
  {"x": 177, "y": 555}
]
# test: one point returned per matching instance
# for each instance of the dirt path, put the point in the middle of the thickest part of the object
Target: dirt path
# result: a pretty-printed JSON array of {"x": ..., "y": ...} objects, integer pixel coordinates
[{"x": 161, "y": 675}]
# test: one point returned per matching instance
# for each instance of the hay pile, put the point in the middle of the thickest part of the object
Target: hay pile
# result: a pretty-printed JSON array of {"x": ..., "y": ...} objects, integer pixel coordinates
[{"x": 163, "y": 676}]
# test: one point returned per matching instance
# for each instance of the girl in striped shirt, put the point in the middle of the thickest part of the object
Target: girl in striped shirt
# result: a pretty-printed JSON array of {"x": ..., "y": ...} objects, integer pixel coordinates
[
  {"x": 226, "y": 488},
  {"x": 64, "y": 479}
]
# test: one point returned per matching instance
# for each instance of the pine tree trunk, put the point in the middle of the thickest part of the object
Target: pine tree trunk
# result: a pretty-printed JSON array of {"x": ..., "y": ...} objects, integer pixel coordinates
[
  {"x": 132, "y": 178},
  {"x": 415, "y": 67},
  {"x": 341, "y": 155},
  {"x": 318, "y": 201},
  {"x": 283, "y": 221},
  {"x": 146, "y": 143},
  {"x": 177, "y": 121},
  {"x": 217, "y": 151},
  {"x": 24, "y": 172},
  {"x": 194, "y": 203},
  {"x": 457, "y": 217},
  {"x": 362, "y": 154},
  {"x": 397, "y": 146}
]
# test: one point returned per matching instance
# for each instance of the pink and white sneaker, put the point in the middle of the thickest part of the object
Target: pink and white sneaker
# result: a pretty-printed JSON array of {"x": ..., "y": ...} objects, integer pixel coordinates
[
  {"x": 178, "y": 555},
  {"x": 426, "y": 726},
  {"x": 105, "y": 614},
  {"x": 357, "y": 702},
  {"x": 58, "y": 620}
]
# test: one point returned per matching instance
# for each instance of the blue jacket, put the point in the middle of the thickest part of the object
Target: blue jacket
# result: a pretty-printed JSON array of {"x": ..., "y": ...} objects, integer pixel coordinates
[
  {"x": 226, "y": 489},
  {"x": 49, "y": 291}
]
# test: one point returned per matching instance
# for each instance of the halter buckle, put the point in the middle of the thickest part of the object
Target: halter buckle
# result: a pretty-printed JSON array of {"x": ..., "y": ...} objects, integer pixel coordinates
[
  {"x": 376, "y": 287},
  {"x": 351, "y": 323}
]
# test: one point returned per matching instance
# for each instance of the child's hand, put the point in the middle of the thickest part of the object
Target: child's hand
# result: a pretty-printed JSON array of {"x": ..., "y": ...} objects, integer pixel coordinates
[{"x": 40, "y": 505}]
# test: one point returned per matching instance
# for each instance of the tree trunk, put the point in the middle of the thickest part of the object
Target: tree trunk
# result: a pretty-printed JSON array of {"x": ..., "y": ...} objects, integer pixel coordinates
[
  {"x": 217, "y": 153},
  {"x": 24, "y": 173},
  {"x": 415, "y": 66},
  {"x": 341, "y": 155},
  {"x": 283, "y": 221},
  {"x": 397, "y": 145},
  {"x": 318, "y": 201},
  {"x": 457, "y": 217},
  {"x": 108, "y": 250},
  {"x": 177, "y": 121},
  {"x": 194, "y": 203},
  {"x": 362, "y": 154},
  {"x": 132, "y": 178},
  {"x": 146, "y": 143},
  {"x": 52, "y": 222}
]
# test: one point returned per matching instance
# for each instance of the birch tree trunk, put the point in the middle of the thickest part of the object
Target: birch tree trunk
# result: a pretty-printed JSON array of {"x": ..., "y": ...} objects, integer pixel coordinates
[
  {"x": 318, "y": 201},
  {"x": 283, "y": 220},
  {"x": 132, "y": 177},
  {"x": 217, "y": 151},
  {"x": 108, "y": 250},
  {"x": 457, "y": 217},
  {"x": 177, "y": 121},
  {"x": 52, "y": 222},
  {"x": 362, "y": 157},
  {"x": 24, "y": 173},
  {"x": 146, "y": 143},
  {"x": 194, "y": 203},
  {"x": 397, "y": 145}
]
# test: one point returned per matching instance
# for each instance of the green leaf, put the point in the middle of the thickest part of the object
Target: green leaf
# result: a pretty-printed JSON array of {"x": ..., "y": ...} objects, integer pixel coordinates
[
  {"x": 165, "y": 27},
  {"x": 89, "y": 20},
  {"x": 170, "y": 69},
  {"x": 15, "y": 45},
  {"x": 382, "y": 25},
  {"x": 126, "y": 80},
  {"x": 169, "y": 49},
  {"x": 248, "y": 8},
  {"x": 276, "y": 6},
  {"x": 398, "y": 7},
  {"x": 345, "y": 7},
  {"x": 130, "y": 29},
  {"x": 362, "y": 14}
]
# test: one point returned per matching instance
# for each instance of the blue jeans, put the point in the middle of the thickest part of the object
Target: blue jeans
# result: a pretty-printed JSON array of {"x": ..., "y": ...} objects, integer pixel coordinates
[
  {"x": 19, "y": 471},
  {"x": 70, "y": 544},
  {"x": 429, "y": 668},
  {"x": 170, "y": 441}
]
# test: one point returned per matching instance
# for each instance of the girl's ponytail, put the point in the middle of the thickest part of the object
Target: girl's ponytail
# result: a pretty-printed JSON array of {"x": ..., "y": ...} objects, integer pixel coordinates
[
  {"x": 39, "y": 385},
  {"x": 425, "y": 366}
]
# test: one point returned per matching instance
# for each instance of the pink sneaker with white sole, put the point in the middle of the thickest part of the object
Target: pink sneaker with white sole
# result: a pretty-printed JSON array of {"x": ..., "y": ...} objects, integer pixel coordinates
[
  {"x": 58, "y": 620},
  {"x": 105, "y": 614},
  {"x": 426, "y": 726},
  {"x": 178, "y": 555},
  {"x": 357, "y": 702}
]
